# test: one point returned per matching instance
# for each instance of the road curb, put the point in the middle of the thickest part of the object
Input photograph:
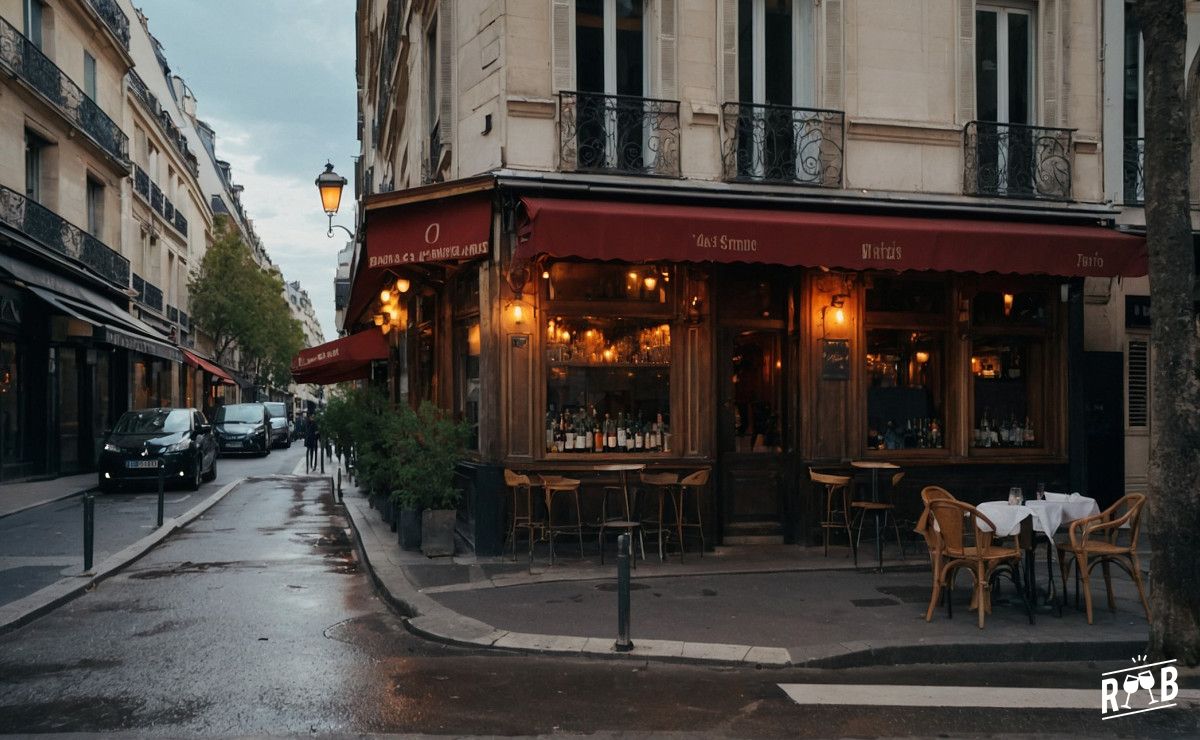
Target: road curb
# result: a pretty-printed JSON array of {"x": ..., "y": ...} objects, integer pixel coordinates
[
  {"x": 56, "y": 499},
  {"x": 22, "y": 611}
]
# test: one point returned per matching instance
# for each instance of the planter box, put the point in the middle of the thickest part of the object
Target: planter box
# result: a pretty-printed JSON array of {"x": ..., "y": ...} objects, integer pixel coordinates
[
  {"x": 437, "y": 532},
  {"x": 410, "y": 529}
]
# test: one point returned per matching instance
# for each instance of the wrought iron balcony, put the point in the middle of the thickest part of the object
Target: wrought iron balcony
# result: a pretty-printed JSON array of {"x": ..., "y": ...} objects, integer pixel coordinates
[
  {"x": 156, "y": 197},
  {"x": 1133, "y": 180},
  {"x": 148, "y": 294},
  {"x": 184, "y": 321},
  {"x": 160, "y": 115},
  {"x": 172, "y": 314},
  {"x": 781, "y": 144},
  {"x": 61, "y": 236},
  {"x": 180, "y": 222},
  {"x": 618, "y": 133},
  {"x": 43, "y": 76},
  {"x": 114, "y": 18},
  {"x": 1017, "y": 161},
  {"x": 141, "y": 182},
  {"x": 168, "y": 210}
]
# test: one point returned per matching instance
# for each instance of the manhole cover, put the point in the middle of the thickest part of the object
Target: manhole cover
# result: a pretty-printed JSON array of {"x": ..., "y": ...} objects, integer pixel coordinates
[{"x": 613, "y": 586}]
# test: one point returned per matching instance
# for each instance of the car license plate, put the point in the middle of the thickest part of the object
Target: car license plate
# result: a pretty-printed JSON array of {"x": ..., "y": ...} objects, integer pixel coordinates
[
  {"x": 234, "y": 443},
  {"x": 141, "y": 463}
]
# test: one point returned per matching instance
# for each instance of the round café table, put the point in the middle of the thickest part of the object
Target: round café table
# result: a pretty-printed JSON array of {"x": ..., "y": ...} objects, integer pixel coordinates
[
  {"x": 628, "y": 524},
  {"x": 875, "y": 466}
]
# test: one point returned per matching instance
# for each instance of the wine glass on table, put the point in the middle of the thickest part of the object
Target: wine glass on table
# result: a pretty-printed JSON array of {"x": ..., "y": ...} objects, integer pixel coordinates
[{"x": 1041, "y": 491}]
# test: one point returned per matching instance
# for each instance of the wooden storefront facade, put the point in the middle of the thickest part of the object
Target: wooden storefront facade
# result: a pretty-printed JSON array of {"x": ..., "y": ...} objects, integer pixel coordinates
[{"x": 759, "y": 363}]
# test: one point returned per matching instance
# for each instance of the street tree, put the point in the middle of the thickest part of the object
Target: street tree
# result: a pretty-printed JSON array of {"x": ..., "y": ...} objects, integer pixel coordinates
[{"x": 1175, "y": 338}]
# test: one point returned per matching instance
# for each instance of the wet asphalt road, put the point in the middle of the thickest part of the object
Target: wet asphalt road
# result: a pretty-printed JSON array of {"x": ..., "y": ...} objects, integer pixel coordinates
[
  {"x": 259, "y": 619},
  {"x": 41, "y": 545}
]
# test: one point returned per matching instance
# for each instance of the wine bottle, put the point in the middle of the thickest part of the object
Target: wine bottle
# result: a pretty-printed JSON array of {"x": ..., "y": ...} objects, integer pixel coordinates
[
  {"x": 621, "y": 432},
  {"x": 610, "y": 434}
]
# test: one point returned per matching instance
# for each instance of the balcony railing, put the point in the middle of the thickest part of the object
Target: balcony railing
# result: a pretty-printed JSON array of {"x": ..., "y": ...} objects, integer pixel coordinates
[
  {"x": 28, "y": 63},
  {"x": 168, "y": 211},
  {"x": 1017, "y": 161},
  {"x": 148, "y": 294},
  {"x": 156, "y": 198},
  {"x": 177, "y": 138},
  {"x": 172, "y": 314},
  {"x": 618, "y": 133},
  {"x": 781, "y": 144},
  {"x": 184, "y": 322},
  {"x": 62, "y": 237},
  {"x": 1134, "y": 176},
  {"x": 141, "y": 182},
  {"x": 180, "y": 222},
  {"x": 149, "y": 190},
  {"x": 114, "y": 18}
]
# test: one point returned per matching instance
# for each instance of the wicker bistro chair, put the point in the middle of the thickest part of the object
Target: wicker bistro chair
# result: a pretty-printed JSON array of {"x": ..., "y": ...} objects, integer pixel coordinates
[
  {"x": 558, "y": 487},
  {"x": 837, "y": 490},
  {"x": 925, "y": 528},
  {"x": 521, "y": 514},
  {"x": 655, "y": 485},
  {"x": 1092, "y": 541},
  {"x": 692, "y": 485},
  {"x": 984, "y": 559}
]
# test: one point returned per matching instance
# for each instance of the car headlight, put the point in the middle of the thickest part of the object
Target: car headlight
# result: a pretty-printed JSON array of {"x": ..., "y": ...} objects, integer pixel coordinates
[
  {"x": 110, "y": 447},
  {"x": 179, "y": 446}
]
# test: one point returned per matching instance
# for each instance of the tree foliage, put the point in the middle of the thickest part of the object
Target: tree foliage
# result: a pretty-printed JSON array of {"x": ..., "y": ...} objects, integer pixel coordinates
[
  {"x": 1175, "y": 430},
  {"x": 242, "y": 307}
]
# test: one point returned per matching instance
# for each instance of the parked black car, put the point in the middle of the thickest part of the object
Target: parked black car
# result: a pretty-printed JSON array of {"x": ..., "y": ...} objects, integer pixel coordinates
[
  {"x": 180, "y": 438},
  {"x": 243, "y": 427},
  {"x": 281, "y": 433}
]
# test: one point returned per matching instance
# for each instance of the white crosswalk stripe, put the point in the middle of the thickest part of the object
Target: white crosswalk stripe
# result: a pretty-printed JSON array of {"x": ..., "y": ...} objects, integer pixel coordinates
[{"x": 992, "y": 697}]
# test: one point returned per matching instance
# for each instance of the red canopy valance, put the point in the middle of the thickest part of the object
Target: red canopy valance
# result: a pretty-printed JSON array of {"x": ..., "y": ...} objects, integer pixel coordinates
[
  {"x": 642, "y": 232},
  {"x": 208, "y": 366},
  {"x": 344, "y": 358}
]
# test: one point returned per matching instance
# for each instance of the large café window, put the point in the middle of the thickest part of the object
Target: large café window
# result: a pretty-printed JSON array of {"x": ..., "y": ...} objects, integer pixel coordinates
[
  {"x": 906, "y": 363},
  {"x": 1009, "y": 341},
  {"x": 608, "y": 355}
]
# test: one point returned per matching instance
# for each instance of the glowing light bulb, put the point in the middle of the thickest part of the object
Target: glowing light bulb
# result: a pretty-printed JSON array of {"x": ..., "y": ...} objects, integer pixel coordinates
[
  {"x": 385, "y": 296},
  {"x": 402, "y": 285},
  {"x": 839, "y": 316},
  {"x": 1008, "y": 303},
  {"x": 922, "y": 357},
  {"x": 650, "y": 282},
  {"x": 518, "y": 313}
]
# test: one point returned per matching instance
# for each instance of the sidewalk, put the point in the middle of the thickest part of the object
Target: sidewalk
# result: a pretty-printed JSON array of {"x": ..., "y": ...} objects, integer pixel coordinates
[
  {"x": 17, "y": 497},
  {"x": 762, "y": 606}
]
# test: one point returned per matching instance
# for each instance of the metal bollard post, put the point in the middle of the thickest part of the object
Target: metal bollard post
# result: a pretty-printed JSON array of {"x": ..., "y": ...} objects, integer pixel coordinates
[
  {"x": 624, "y": 644},
  {"x": 339, "y": 484},
  {"x": 321, "y": 454},
  {"x": 162, "y": 476},
  {"x": 89, "y": 527}
]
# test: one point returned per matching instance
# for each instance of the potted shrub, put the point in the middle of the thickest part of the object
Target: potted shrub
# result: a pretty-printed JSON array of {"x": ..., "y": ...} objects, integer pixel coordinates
[{"x": 431, "y": 451}]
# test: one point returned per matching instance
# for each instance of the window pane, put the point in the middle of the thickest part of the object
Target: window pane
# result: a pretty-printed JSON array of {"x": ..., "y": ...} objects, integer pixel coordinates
[
  {"x": 589, "y": 45},
  {"x": 906, "y": 296},
  {"x": 778, "y": 43},
  {"x": 906, "y": 395},
  {"x": 89, "y": 75},
  {"x": 756, "y": 401},
  {"x": 608, "y": 386},
  {"x": 986, "y": 66},
  {"x": 575, "y": 281},
  {"x": 746, "y": 51},
  {"x": 1020, "y": 54},
  {"x": 1008, "y": 393},
  {"x": 1133, "y": 74},
  {"x": 630, "y": 47},
  {"x": 467, "y": 343},
  {"x": 994, "y": 308}
]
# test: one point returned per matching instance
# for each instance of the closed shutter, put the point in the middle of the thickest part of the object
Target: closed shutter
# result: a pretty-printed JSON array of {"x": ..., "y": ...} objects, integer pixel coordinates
[
  {"x": 668, "y": 82},
  {"x": 446, "y": 66},
  {"x": 1050, "y": 53},
  {"x": 728, "y": 23},
  {"x": 1137, "y": 383},
  {"x": 562, "y": 42},
  {"x": 831, "y": 89},
  {"x": 965, "y": 79}
]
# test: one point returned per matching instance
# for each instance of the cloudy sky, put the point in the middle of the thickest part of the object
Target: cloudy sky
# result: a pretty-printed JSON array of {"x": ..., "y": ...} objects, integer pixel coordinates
[{"x": 275, "y": 79}]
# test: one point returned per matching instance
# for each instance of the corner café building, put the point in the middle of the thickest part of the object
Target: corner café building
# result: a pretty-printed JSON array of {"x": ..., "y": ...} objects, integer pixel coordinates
[{"x": 762, "y": 335}]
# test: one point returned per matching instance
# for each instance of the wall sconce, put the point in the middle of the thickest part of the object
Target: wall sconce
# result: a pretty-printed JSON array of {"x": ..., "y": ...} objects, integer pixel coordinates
[
  {"x": 650, "y": 282},
  {"x": 1008, "y": 304},
  {"x": 695, "y": 310},
  {"x": 837, "y": 302},
  {"x": 518, "y": 313},
  {"x": 922, "y": 357},
  {"x": 402, "y": 285}
]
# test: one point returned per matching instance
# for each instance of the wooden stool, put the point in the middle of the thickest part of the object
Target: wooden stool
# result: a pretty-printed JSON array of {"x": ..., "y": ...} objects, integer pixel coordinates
[
  {"x": 659, "y": 483},
  {"x": 836, "y": 486},
  {"x": 627, "y": 524},
  {"x": 694, "y": 483},
  {"x": 516, "y": 484},
  {"x": 554, "y": 485}
]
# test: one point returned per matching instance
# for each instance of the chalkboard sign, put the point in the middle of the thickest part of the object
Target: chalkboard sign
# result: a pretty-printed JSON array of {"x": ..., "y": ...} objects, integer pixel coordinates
[{"x": 835, "y": 359}]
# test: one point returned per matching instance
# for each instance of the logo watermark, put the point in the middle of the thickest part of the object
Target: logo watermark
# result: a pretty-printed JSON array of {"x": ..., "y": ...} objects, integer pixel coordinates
[{"x": 1139, "y": 684}]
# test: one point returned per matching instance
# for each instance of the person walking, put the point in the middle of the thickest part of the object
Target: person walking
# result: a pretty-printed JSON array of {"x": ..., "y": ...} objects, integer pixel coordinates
[{"x": 312, "y": 440}]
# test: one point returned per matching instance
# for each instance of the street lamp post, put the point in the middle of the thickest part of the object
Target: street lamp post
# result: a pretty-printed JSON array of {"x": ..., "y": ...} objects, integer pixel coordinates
[{"x": 330, "y": 184}]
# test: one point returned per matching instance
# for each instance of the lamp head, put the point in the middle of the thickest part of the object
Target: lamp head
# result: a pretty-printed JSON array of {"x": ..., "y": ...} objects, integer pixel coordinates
[{"x": 330, "y": 184}]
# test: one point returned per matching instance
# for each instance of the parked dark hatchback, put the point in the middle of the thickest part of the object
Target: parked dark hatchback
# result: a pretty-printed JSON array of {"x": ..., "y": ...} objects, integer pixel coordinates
[
  {"x": 243, "y": 427},
  {"x": 181, "y": 438}
]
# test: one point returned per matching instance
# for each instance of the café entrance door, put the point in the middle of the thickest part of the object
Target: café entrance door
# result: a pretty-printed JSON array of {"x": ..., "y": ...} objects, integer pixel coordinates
[{"x": 751, "y": 434}]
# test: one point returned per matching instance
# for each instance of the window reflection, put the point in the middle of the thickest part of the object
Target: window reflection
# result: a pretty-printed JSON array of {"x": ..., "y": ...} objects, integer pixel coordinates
[
  {"x": 756, "y": 365},
  {"x": 1008, "y": 396},
  {"x": 906, "y": 394}
]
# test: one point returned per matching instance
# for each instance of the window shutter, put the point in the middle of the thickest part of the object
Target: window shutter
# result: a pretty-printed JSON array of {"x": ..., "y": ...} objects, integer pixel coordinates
[
  {"x": 668, "y": 82},
  {"x": 965, "y": 81},
  {"x": 1138, "y": 402},
  {"x": 1050, "y": 53},
  {"x": 729, "y": 50},
  {"x": 831, "y": 89},
  {"x": 446, "y": 73},
  {"x": 562, "y": 40}
]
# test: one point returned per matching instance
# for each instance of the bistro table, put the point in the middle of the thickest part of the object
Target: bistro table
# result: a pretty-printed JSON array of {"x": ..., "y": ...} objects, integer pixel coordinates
[
  {"x": 875, "y": 466},
  {"x": 622, "y": 470}
]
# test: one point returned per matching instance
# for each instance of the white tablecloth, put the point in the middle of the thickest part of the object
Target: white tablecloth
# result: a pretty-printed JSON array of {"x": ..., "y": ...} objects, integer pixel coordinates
[{"x": 1048, "y": 516}]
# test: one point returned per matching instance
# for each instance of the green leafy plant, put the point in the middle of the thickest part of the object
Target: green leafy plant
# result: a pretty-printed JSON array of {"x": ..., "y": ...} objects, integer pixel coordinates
[{"x": 429, "y": 451}]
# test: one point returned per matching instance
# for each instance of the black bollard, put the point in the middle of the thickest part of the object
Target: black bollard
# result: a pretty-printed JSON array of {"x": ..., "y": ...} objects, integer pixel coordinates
[
  {"x": 339, "y": 484},
  {"x": 624, "y": 644},
  {"x": 89, "y": 527},
  {"x": 162, "y": 479},
  {"x": 321, "y": 454}
]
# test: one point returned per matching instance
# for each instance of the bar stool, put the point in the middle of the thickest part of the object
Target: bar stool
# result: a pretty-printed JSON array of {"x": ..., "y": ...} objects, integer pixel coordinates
[
  {"x": 515, "y": 484},
  {"x": 624, "y": 522},
  {"x": 660, "y": 484},
  {"x": 693, "y": 483},
  {"x": 881, "y": 510},
  {"x": 554, "y": 485},
  {"x": 836, "y": 487}
]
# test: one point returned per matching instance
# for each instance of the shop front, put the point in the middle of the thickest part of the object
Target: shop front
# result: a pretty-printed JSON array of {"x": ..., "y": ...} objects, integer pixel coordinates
[{"x": 753, "y": 342}]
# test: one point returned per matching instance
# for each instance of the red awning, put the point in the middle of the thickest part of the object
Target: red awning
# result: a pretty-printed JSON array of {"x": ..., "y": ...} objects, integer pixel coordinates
[
  {"x": 345, "y": 358},
  {"x": 642, "y": 232},
  {"x": 443, "y": 231},
  {"x": 208, "y": 366}
]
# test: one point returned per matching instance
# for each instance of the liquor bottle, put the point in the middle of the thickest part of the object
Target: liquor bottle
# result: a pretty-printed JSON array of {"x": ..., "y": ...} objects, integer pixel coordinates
[
  {"x": 666, "y": 437},
  {"x": 630, "y": 432},
  {"x": 639, "y": 435},
  {"x": 621, "y": 432},
  {"x": 1029, "y": 437},
  {"x": 560, "y": 435},
  {"x": 610, "y": 434},
  {"x": 597, "y": 434},
  {"x": 987, "y": 429},
  {"x": 583, "y": 442},
  {"x": 935, "y": 433},
  {"x": 568, "y": 434},
  {"x": 657, "y": 447}
]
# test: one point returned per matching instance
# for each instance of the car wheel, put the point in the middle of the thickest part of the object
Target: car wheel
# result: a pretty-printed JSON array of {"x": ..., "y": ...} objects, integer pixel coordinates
[
  {"x": 212, "y": 470},
  {"x": 193, "y": 482},
  {"x": 266, "y": 446}
]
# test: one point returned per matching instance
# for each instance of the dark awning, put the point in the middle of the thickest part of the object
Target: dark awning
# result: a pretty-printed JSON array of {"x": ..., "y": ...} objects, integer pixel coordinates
[
  {"x": 344, "y": 358},
  {"x": 111, "y": 324},
  {"x": 208, "y": 366},
  {"x": 642, "y": 232}
]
